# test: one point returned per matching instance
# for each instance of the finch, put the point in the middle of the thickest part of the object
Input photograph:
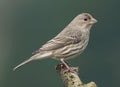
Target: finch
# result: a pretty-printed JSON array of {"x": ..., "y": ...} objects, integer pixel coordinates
[{"x": 70, "y": 42}]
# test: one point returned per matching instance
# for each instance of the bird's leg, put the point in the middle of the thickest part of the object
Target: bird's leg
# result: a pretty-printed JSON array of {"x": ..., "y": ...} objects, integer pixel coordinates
[
  {"x": 68, "y": 68},
  {"x": 62, "y": 60}
]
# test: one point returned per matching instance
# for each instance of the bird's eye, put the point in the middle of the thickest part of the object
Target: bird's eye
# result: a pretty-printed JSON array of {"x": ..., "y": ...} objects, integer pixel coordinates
[{"x": 85, "y": 19}]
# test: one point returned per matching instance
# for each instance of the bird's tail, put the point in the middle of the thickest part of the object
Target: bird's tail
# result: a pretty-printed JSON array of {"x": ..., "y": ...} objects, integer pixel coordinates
[{"x": 34, "y": 57}]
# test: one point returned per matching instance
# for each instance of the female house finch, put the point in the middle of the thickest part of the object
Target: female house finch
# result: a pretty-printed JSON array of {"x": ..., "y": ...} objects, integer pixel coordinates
[{"x": 70, "y": 42}]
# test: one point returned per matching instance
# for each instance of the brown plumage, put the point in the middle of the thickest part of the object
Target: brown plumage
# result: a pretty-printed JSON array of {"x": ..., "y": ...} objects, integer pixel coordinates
[{"x": 70, "y": 42}]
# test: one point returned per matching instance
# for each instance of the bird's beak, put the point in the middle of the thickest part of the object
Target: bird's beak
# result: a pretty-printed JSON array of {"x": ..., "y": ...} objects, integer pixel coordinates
[{"x": 93, "y": 21}]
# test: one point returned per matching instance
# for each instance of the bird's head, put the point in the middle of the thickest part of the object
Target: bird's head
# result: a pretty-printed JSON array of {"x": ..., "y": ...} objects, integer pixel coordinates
[{"x": 84, "y": 20}]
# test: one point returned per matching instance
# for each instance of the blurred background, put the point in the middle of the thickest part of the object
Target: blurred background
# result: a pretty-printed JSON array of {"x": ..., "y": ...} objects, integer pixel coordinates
[{"x": 25, "y": 25}]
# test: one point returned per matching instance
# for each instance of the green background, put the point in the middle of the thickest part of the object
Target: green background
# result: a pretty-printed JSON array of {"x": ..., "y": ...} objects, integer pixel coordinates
[{"x": 25, "y": 25}]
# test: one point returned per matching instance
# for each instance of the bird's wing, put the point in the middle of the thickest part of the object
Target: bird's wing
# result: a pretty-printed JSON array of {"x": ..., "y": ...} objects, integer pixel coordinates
[
  {"x": 51, "y": 45},
  {"x": 59, "y": 42}
]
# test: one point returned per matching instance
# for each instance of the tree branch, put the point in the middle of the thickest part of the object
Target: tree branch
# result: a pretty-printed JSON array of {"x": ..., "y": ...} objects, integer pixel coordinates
[{"x": 70, "y": 77}]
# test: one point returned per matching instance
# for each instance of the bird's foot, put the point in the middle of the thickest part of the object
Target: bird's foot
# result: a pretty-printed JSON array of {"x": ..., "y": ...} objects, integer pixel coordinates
[{"x": 68, "y": 67}]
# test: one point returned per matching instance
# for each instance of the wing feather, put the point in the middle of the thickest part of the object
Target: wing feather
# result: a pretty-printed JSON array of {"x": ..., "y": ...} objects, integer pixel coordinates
[{"x": 61, "y": 40}]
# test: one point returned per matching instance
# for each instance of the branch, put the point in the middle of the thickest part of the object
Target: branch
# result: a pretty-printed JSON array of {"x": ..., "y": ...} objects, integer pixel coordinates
[{"x": 70, "y": 77}]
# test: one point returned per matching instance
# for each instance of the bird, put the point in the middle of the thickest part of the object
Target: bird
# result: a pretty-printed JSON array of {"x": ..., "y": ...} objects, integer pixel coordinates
[{"x": 69, "y": 43}]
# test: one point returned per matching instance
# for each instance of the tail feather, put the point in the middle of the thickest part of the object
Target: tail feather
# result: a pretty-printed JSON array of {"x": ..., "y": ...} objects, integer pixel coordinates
[{"x": 34, "y": 57}]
